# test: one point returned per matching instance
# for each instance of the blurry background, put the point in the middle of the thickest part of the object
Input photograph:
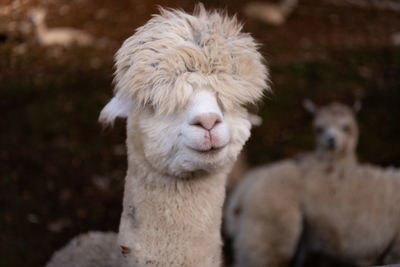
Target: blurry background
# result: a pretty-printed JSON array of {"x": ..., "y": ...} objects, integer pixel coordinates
[{"x": 61, "y": 174}]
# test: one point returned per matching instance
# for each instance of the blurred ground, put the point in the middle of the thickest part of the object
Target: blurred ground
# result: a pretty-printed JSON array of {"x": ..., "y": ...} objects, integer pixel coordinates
[{"x": 61, "y": 174}]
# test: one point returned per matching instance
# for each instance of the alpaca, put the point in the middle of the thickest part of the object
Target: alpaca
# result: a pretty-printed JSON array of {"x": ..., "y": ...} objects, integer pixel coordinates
[
  {"x": 57, "y": 36},
  {"x": 181, "y": 81},
  {"x": 274, "y": 14},
  {"x": 323, "y": 202}
]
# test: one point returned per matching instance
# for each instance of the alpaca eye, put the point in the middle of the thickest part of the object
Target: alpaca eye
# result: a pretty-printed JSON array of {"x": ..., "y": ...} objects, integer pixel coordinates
[
  {"x": 150, "y": 108},
  {"x": 319, "y": 129},
  {"x": 345, "y": 128}
]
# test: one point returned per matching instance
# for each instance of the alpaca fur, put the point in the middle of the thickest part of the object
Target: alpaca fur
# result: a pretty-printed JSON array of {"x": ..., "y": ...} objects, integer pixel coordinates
[
  {"x": 321, "y": 202},
  {"x": 181, "y": 81},
  {"x": 176, "y": 53},
  {"x": 92, "y": 249}
]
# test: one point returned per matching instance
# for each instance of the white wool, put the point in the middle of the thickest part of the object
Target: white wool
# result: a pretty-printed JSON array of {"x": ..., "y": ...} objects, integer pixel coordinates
[{"x": 176, "y": 53}]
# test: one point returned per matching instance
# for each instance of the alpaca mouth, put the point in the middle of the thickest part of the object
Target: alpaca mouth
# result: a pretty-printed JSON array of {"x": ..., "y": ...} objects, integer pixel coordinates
[{"x": 211, "y": 151}]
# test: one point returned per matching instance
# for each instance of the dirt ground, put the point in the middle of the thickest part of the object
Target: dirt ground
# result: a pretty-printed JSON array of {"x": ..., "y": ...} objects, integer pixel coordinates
[{"x": 62, "y": 174}]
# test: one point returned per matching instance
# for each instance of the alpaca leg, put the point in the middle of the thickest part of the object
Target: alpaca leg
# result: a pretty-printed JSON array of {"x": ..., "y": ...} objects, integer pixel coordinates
[
  {"x": 269, "y": 240},
  {"x": 393, "y": 251}
]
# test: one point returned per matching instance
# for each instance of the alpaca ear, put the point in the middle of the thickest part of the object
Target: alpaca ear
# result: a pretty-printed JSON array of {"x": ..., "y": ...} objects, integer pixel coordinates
[
  {"x": 357, "y": 105},
  {"x": 255, "y": 120},
  {"x": 310, "y": 106},
  {"x": 117, "y": 107}
]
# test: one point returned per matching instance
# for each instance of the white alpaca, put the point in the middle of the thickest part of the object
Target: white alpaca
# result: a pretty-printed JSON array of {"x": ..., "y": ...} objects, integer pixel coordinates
[
  {"x": 325, "y": 201},
  {"x": 274, "y": 14},
  {"x": 181, "y": 81},
  {"x": 57, "y": 36}
]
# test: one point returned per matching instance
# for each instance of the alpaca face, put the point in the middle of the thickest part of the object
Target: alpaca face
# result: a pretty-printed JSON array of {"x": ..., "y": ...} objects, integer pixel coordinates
[
  {"x": 336, "y": 129},
  {"x": 37, "y": 15},
  {"x": 200, "y": 137}
]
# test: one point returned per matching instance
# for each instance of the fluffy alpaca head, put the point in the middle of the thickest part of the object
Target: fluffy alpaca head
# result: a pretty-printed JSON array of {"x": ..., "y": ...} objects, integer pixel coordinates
[
  {"x": 335, "y": 127},
  {"x": 37, "y": 15},
  {"x": 182, "y": 81}
]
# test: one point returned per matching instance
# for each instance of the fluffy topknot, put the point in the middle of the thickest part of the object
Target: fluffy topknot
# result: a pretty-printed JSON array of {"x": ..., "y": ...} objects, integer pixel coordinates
[{"x": 175, "y": 53}]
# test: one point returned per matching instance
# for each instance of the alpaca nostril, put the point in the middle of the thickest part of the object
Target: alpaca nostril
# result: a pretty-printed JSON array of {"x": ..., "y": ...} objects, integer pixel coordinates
[
  {"x": 331, "y": 143},
  {"x": 206, "y": 121}
]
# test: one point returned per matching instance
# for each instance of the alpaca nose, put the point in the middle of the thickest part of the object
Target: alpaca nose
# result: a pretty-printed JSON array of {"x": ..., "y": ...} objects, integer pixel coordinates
[
  {"x": 331, "y": 142},
  {"x": 206, "y": 120}
]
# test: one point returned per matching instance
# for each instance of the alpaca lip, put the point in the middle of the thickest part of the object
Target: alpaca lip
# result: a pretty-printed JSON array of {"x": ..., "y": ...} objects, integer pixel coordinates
[
  {"x": 205, "y": 142},
  {"x": 212, "y": 150}
]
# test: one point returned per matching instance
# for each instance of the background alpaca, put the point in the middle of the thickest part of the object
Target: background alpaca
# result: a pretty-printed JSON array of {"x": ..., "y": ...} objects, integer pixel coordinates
[
  {"x": 57, "y": 36},
  {"x": 181, "y": 81},
  {"x": 272, "y": 13},
  {"x": 325, "y": 201}
]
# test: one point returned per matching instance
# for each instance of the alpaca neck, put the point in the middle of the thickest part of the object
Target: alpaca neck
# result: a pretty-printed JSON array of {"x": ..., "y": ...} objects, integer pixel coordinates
[
  {"x": 41, "y": 29},
  {"x": 170, "y": 221},
  {"x": 338, "y": 160},
  {"x": 172, "y": 224}
]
